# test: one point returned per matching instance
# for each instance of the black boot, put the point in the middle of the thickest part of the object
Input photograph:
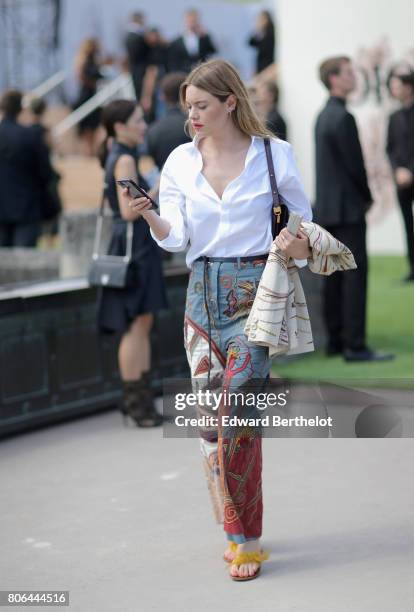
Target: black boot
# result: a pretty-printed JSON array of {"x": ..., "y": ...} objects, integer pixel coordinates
[
  {"x": 138, "y": 402},
  {"x": 132, "y": 404},
  {"x": 150, "y": 418}
]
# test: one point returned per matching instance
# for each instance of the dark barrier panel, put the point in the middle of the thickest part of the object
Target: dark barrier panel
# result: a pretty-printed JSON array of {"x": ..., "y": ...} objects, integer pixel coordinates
[{"x": 54, "y": 364}]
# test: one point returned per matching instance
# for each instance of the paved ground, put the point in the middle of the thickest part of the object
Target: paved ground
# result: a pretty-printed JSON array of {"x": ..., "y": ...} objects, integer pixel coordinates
[{"x": 120, "y": 517}]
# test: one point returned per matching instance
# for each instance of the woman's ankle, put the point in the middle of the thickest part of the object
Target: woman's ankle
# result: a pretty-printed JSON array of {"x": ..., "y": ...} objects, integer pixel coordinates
[{"x": 249, "y": 545}]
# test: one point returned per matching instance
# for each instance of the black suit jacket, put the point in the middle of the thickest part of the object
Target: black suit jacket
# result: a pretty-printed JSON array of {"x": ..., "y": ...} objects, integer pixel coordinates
[
  {"x": 400, "y": 140},
  {"x": 138, "y": 53},
  {"x": 137, "y": 48},
  {"x": 179, "y": 60},
  {"x": 165, "y": 135},
  {"x": 342, "y": 192},
  {"x": 25, "y": 171}
]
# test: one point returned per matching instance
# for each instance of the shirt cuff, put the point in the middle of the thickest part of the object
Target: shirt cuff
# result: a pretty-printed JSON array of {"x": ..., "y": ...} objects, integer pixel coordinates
[{"x": 170, "y": 243}]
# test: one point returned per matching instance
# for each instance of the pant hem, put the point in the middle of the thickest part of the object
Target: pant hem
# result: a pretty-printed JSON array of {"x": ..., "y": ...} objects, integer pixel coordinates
[{"x": 239, "y": 538}]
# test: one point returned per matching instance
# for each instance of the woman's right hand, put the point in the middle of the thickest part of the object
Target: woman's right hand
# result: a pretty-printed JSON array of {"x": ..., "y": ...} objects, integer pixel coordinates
[{"x": 137, "y": 205}]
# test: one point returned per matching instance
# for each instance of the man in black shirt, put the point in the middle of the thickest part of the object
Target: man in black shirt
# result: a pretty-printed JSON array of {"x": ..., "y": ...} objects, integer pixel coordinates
[
  {"x": 168, "y": 132},
  {"x": 400, "y": 149},
  {"x": 342, "y": 199},
  {"x": 192, "y": 47}
]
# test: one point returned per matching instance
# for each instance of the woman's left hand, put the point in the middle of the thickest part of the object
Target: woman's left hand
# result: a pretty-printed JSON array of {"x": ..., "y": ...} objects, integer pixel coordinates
[{"x": 294, "y": 246}]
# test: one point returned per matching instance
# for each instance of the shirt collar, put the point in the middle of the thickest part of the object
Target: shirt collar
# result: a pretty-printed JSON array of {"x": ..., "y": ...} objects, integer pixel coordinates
[
  {"x": 255, "y": 142},
  {"x": 256, "y": 146}
]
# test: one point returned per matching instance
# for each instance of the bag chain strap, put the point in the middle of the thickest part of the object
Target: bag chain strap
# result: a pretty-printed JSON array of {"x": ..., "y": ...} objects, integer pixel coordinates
[{"x": 277, "y": 209}]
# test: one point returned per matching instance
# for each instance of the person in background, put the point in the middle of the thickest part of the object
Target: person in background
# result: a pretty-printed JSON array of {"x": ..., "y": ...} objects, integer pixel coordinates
[
  {"x": 155, "y": 70},
  {"x": 52, "y": 205},
  {"x": 168, "y": 132},
  {"x": 400, "y": 150},
  {"x": 88, "y": 73},
  {"x": 137, "y": 51},
  {"x": 343, "y": 197},
  {"x": 129, "y": 311},
  {"x": 263, "y": 40},
  {"x": 193, "y": 47},
  {"x": 25, "y": 171},
  {"x": 268, "y": 99},
  {"x": 35, "y": 112}
]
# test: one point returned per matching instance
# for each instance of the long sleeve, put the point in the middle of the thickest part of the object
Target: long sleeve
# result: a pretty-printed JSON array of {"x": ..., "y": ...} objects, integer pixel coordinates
[
  {"x": 254, "y": 40},
  {"x": 209, "y": 46},
  {"x": 172, "y": 208},
  {"x": 41, "y": 159},
  {"x": 290, "y": 183},
  {"x": 348, "y": 144},
  {"x": 390, "y": 146},
  {"x": 291, "y": 189}
]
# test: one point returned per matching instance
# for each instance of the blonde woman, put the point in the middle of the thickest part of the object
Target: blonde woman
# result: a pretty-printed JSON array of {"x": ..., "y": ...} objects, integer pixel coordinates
[{"x": 215, "y": 196}]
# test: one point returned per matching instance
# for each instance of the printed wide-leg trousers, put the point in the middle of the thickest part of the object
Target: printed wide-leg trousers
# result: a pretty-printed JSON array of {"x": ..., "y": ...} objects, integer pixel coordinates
[{"x": 232, "y": 457}]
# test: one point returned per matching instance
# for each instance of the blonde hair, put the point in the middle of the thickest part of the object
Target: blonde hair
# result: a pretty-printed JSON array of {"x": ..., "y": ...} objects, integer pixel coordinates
[
  {"x": 88, "y": 48},
  {"x": 220, "y": 79}
]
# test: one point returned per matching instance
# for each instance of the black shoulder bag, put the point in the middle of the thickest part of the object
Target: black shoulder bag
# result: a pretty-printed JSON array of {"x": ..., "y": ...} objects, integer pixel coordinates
[
  {"x": 116, "y": 271},
  {"x": 280, "y": 212}
]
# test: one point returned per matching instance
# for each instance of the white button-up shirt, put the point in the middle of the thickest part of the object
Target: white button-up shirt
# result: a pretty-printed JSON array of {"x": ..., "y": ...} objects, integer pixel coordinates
[{"x": 238, "y": 224}]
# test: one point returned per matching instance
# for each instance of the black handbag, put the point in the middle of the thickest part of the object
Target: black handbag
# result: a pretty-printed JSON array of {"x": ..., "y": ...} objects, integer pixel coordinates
[
  {"x": 117, "y": 271},
  {"x": 280, "y": 212}
]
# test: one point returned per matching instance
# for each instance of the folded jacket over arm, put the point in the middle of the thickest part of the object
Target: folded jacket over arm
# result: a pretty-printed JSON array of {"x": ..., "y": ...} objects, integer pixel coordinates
[{"x": 279, "y": 316}]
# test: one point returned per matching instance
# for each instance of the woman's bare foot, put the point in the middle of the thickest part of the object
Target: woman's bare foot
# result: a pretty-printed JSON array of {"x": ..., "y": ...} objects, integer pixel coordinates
[{"x": 246, "y": 569}]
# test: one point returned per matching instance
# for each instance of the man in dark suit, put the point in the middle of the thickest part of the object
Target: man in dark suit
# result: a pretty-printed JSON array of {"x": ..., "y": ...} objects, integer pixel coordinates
[
  {"x": 342, "y": 199},
  {"x": 400, "y": 149},
  {"x": 25, "y": 171},
  {"x": 193, "y": 47},
  {"x": 137, "y": 51},
  {"x": 168, "y": 132}
]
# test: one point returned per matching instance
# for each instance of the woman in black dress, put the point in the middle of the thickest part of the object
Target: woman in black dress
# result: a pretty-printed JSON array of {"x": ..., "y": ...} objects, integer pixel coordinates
[
  {"x": 129, "y": 311},
  {"x": 88, "y": 74},
  {"x": 264, "y": 41}
]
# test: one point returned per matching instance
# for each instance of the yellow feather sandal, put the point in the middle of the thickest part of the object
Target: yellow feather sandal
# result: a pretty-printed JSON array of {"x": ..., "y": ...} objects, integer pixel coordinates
[
  {"x": 249, "y": 557},
  {"x": 233, "y": 549}
]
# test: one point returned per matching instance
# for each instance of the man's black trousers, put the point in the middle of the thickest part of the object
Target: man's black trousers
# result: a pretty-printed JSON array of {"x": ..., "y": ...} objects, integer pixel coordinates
[
  {"x": 406, "y": 198},
  {"x": 345, "y": 293}
]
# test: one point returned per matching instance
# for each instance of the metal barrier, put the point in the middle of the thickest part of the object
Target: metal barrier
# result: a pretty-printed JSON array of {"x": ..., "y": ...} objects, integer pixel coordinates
[
  {"x": 55, "y": 365},
  {"x": 122, "y": 84},
  {"x": 48, "y": 85}
]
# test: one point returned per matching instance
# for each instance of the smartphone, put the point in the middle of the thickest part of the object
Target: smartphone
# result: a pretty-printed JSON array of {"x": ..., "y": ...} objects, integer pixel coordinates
[{"x": 137, "y": 192}]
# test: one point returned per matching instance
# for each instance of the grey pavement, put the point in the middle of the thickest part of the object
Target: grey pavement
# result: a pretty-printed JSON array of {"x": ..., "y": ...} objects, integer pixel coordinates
[{"x": 120, "y": 517}]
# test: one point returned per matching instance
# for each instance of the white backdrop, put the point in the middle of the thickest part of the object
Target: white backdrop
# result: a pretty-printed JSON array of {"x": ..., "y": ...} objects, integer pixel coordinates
[{"x": 312, "y": 31}]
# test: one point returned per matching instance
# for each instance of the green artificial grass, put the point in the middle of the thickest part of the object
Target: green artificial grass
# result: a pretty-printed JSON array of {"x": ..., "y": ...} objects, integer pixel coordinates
[{"x": 390, "y": 329}]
